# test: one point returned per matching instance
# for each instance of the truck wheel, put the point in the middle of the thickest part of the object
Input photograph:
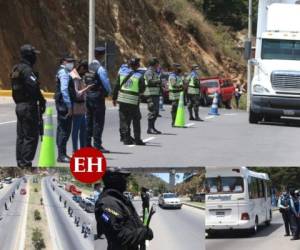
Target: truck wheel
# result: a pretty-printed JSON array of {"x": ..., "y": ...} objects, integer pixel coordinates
[
  {"x": 255, "y": 228},
  {"x": 254, "y": 118}
]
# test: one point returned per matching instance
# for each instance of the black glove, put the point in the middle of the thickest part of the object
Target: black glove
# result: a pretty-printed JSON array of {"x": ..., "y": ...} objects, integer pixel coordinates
[
  {"x": 42, "y": 104},
  {"x": 149, "y": 234}
]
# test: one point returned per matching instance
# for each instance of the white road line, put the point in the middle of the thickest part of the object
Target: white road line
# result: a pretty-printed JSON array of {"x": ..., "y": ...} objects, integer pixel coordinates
[
  {"x": 189, "y": 124},
  {"x": 145, "y": 140},
  {"x": 231, "y": 114},
  {"x": 209, "y": 117},
  {"x": 8, "y": 122},
  {"x": 21, "y": 243}
]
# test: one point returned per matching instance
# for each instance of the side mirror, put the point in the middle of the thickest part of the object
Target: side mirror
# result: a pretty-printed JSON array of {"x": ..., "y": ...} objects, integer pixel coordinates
[
  {"x": 248, "y": 50},
  {"x": 254, "y": 62}
]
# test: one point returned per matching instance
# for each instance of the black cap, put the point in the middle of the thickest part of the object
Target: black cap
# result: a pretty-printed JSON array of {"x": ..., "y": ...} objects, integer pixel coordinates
[
  {"x": 28, "y": 49},
  {"x": 176, "y": 65},
  {"x": 68, "y": 58},
  {"x": 100, "y": 49},
  {"x": 134, "y": 61},
  {"x": 153, "y": 61}
]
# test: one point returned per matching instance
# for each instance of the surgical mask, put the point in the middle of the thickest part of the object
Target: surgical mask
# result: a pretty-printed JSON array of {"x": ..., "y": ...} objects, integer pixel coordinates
[{"x": 69, "y": 66}]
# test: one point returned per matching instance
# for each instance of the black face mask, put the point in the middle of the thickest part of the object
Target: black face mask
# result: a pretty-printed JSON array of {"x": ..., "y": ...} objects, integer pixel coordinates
[{"x": 31, "y": 58}]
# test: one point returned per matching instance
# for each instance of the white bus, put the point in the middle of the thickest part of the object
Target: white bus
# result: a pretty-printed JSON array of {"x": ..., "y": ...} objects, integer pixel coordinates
[{"x": 236, "y": 198}]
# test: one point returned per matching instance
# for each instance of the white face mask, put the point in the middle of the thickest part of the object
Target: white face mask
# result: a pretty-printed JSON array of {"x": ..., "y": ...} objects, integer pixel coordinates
[{"x": 69, "y": 66}]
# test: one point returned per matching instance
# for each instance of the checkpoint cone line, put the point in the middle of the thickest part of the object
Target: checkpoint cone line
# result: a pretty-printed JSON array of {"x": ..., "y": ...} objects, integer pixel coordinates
[
  {"x": 180, "y": 114},
  {"x": 214, "y": 107},
  {"x": 47, "y": 150}
]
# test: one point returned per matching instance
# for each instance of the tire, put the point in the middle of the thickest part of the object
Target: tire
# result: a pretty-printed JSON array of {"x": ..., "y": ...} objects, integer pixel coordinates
[
  {"x": 228, "y": 104},
  {"x": 254, "y": 118},
  {"x": 255, "y": 228}
]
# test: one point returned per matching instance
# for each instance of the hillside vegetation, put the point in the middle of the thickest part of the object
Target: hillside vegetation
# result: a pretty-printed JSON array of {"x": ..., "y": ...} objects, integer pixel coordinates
[{"x": 173, "y": 30}]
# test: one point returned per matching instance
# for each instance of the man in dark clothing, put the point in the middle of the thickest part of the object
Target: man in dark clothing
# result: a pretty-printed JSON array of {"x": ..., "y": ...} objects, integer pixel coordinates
[
  {"x": 145, "y": 201},
  {"x": 29, "y": 102},
  {"x": 95, "y": 100},
  {"x": 130, "y": 85},
  {"x": 121, "y": 224}
]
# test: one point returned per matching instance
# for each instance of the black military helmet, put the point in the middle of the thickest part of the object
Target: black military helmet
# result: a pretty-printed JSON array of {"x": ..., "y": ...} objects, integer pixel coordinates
[
  {"x": 153, "y": 61},
  {"x": 134, "y": 62},
  {"x": 28, "y": 49},
  {"x": 113, "y": 175},
  {"x": 176, "y": 65},
  {"x": 144, "y": 189}
]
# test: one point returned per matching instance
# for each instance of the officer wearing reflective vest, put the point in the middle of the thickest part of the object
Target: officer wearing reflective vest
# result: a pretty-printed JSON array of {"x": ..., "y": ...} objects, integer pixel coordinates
[
  {"x": 175, "y": 85},
  {"x": 64, "y": 95},
  {"x": 152, "y": 92},
  {"x": 29, "y": 101},
  {"x": 95, "y": 100},
  {"x": 127, "y": 92},
  {"x": 295, "y": 207},
  {"x": 121, "y": 224},
  {"x": 193, "y": 93},
  {"x": 283, "y": 204}
]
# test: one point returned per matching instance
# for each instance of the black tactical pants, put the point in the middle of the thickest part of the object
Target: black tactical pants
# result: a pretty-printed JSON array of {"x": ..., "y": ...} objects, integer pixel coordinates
[
  {"x": 64, "y": 128},
  {"x": 95, "y": 122},
  {"x": 153, "y": 107},
  {"x": 174, "y": 110},
  {"x": 130, "y": 113},
  {"x": 286, "y": 220},
  {"x": 27, "y": 133},
  {"x": 193, "y": 105}
]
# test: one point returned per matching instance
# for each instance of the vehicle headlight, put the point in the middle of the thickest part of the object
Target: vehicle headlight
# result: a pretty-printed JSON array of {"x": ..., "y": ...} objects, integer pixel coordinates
[{"x": 257, "y": 88}]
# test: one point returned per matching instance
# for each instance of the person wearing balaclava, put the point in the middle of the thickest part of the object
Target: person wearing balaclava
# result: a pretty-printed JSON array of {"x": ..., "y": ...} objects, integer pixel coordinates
[
  {"x": 175, "y": 84},
  {"x": 145, "y": 200},
  {"x": 64, "y": 106},
  {"x": 29, "y": 101},
  {"x": 122, "y": 226}
]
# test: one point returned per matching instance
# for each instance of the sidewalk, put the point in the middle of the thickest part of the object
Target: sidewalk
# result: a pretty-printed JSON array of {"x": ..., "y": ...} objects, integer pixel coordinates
[{"x": 194, "y": 204}]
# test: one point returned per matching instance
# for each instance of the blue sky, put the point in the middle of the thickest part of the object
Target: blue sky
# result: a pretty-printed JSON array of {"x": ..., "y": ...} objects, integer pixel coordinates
[{"x": 165, "y": 177}]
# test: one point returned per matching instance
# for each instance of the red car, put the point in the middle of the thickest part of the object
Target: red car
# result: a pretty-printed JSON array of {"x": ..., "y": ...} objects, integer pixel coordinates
[
  {"x": 211, "y": 85},
  {"x": 23, "y": 191}
]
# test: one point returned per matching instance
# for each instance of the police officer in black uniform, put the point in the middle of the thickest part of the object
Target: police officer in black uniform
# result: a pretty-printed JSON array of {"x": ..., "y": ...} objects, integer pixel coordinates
[
  {"x": 95, "y": 99},
  {"x": 121, "y": 224},
  {"x": 145, "y": 201},
  {"x": 29, "y": 102}
]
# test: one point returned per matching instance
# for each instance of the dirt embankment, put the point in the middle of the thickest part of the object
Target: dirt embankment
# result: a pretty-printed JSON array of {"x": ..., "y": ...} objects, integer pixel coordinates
[{"x": 138, "y": 27}]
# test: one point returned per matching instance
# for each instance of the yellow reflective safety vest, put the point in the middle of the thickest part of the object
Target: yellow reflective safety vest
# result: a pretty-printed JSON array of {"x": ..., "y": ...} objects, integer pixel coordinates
[
  {"x": 175, "y": 85},
  {"x": 129, "y": 91},
  {"x": 194, "y": 86},
  {"x": 150, "y": 74}
]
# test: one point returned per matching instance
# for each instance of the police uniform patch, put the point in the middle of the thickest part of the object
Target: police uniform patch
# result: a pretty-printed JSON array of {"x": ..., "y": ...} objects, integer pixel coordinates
[
  {"x": 105, "y": 217},
  {"x": 111, "y": 211}
]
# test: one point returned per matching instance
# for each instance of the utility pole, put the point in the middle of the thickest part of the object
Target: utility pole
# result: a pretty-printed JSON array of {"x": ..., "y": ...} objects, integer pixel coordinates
[
  {"x": 91, "y": 30},
  {"x": 249, "y": 64}
]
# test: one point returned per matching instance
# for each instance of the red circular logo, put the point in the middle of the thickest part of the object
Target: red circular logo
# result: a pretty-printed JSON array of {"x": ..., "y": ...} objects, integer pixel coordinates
[{"x": 88, "y": 165}]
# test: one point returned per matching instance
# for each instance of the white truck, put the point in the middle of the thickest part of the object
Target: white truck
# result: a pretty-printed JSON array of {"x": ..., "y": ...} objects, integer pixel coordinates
[{"x": 275, "y": 87}]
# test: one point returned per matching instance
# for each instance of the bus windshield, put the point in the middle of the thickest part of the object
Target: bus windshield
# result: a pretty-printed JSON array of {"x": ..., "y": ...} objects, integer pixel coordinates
[
  {"x": 280, "y": 49},
  {"x": 217, "y": 185}
]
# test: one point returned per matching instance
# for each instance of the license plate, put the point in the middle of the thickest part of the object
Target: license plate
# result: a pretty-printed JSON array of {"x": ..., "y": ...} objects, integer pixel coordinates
[
  {"x": 220, "y": 213},
  {"x": 288, "y": 112}
]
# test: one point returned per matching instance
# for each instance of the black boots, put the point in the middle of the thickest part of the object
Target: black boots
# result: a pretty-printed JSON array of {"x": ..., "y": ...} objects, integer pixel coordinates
[{"x": 151, "y": 129}]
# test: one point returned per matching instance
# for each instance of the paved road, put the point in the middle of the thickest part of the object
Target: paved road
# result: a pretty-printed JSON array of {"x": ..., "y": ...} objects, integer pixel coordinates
[
  {"x": 267, "y": 238},
  {"x": 173, "y": 229},
  {"x": 225, "y": 140},
  {"x": 12, "y": 222},
  {"x": 64, "y": 233}
]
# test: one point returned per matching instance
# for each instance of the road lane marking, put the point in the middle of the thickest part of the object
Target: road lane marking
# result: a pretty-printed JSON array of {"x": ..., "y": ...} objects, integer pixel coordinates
[
  {"x": 231, "y": 114},
  {"x": 209, "y": 117},
  {"x": 8, "y": 122},
  {"x": 189, "y": 124},
  {"x": 145, "y": 140}
]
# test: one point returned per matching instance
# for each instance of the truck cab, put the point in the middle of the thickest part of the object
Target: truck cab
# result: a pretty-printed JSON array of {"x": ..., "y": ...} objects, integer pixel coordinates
[{"x": 275, "y": 87}]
